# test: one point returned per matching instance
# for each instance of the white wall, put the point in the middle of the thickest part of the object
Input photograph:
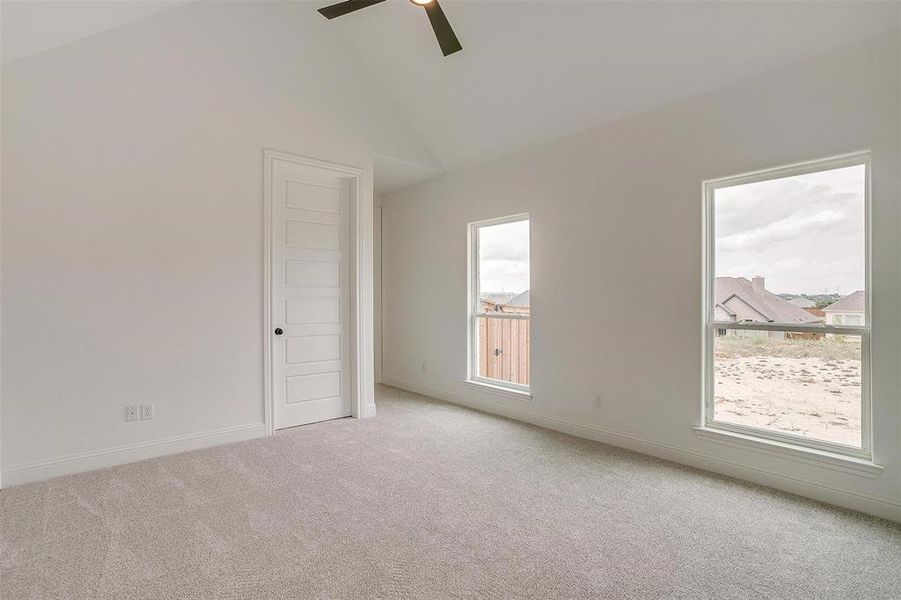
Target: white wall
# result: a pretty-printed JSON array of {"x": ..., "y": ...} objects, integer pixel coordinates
[
  {"x": 616, "y": 242},
  {"x": 377, "y": 288},
  {"x": 132, "y": 222}
]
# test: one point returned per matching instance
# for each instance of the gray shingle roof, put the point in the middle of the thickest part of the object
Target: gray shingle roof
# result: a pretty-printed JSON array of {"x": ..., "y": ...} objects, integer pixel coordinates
[
  {"x": 769, "y": 307},
  {"x": 498, "y": 298},
  {"x": 855, "y": 302},
  {"x": 520, "y": 301},
  {"x": 803, "y": 303}
]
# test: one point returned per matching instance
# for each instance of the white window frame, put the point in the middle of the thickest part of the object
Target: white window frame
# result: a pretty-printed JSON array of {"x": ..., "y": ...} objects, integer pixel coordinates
[
  {"x": 474, "y": 309},
  {"x": 710, "y": 325}
]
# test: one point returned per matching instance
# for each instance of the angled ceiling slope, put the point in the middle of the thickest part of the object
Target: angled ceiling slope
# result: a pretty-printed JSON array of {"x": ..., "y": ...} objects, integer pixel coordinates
[
  {"x": 30, "y": 27},
  {"x": 390, "y": 174},
  {"x": 531, "y": 72},
  {"x": 526, "y": 76}
]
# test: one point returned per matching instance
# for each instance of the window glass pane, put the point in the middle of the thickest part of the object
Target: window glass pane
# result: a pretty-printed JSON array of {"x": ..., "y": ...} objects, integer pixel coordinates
[
  {"x": 806, "y": 384},
  {"x": 791, "y": 250},
  {"x": 501, "y": 345},
  {"x": 504, "y": 267},
  {"x": 503, "y": 352}
]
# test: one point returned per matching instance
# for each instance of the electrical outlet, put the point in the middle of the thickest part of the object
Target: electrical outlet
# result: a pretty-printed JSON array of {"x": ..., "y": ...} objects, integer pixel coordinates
[
  {"x": 598, "y": 401},
  {"x": 146, "y": 411},
  {"x": 131, "y": 413},
  {"x": 423, "y": 366}
]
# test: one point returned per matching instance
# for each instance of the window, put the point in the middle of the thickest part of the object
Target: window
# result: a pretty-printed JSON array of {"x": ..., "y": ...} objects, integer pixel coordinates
[
  {"x": 499, "y": 306},
  {"x": 787, "y": 330}
]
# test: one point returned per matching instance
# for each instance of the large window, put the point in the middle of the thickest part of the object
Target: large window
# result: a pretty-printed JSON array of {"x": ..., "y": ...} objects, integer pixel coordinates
[
  {"x": 787, "y": 319},
  {"x": 500, "y": 307}
]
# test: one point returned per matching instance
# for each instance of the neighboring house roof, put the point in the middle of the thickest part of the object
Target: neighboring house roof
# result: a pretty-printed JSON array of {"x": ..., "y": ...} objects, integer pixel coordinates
[
  {"x": 851, "y": 303},
  {"x": 728, "y": 291},
  {"x": 721, "y": 313},
  {"x": 803, "y": 303},
  {"x": 748, "y": 311},
  {"x": 520, "y": 301},
  {"x": 498, "y": 298}
]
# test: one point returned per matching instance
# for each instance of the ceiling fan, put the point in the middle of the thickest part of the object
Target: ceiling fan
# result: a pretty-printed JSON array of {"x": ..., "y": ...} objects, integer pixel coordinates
[{"x": 447, "y": 39}]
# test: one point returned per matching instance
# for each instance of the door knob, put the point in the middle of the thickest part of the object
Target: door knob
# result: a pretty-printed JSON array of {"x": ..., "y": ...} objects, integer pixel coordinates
[{"x": 279, "y": 331}]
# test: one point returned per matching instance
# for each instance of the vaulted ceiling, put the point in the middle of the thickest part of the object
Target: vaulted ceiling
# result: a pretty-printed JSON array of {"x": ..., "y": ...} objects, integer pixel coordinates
[
  {"x": 530, "y": 71},
  {"x": 33, "y": 26},
  {"x": 534, "y": 71}
]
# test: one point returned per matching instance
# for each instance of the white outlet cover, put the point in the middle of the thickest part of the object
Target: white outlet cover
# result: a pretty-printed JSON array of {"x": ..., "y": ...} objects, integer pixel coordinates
[
  {"x": 146, "y": 411},
  {"x": 131, "y": 413}
]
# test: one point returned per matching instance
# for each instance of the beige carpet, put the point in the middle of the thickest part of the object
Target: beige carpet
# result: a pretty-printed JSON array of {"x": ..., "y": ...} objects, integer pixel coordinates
[{"x": 429, "y": 500}]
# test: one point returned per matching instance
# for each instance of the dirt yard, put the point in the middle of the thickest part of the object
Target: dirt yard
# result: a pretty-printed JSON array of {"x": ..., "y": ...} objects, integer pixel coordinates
[{"x": 804, "y": 387}]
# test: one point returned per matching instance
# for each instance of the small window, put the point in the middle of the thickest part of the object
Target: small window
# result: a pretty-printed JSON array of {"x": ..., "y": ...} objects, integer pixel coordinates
[
  {"x": 774, "y": 369},
  {"x": 500, "y": 303}
]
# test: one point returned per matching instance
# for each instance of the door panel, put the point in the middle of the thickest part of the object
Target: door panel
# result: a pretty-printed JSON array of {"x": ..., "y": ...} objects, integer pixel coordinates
[
  {"x": 312, "y": 310},
  {"x": 312, "y": 196},
  {"x": 301, "y": 233},
  {"x": 312, "y": 348},
  {"x": 310, "y": 360},
  {"x": 311, "y": 272},
  {"x": 317, "y": 386}
]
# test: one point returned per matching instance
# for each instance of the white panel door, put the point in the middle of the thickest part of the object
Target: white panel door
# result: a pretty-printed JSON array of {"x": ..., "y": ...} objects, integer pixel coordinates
[{"x": 310, "y": 312}]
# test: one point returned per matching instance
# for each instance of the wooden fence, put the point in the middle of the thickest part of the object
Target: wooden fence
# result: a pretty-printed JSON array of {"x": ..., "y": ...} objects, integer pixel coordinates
[{"x": 504, "y": 349}]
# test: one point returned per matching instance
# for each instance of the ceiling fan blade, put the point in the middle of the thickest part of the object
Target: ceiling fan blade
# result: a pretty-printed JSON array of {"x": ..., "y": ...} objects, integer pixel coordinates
[
  {"x": 342, "y": 8},
  {"x": 447, "y": 39}
]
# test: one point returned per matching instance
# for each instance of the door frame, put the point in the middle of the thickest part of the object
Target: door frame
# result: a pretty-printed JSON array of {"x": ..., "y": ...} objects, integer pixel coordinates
[
  {"x": 377, "y": 293},
  {"x": 360, "y": 301}
]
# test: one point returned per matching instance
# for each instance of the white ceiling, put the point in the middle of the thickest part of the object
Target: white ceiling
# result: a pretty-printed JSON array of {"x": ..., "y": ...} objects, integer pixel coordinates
[
  {"x": 391, "y": 174},
  {"x": 33, "y": 26},
  {"x": 530, "y": 71}
]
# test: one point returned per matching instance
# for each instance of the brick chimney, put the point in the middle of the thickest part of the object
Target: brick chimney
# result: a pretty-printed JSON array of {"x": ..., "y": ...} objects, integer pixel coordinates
[{"x": 757, "y": 284}]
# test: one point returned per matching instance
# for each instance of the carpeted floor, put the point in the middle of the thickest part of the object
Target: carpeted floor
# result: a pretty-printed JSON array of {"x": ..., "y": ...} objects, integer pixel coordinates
[{"x": 430, "y": 500}]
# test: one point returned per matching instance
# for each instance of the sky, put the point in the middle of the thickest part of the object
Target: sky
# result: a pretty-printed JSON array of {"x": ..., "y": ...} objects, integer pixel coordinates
[
  {"x": 804, "y": 234},
  {"x": 504, "y": 258}
]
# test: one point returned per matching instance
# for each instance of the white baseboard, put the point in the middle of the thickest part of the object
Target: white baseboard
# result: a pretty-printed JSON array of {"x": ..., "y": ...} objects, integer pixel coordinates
[
  {"x": 108, "y": 457},
  {"x": 887, "y": 508}
]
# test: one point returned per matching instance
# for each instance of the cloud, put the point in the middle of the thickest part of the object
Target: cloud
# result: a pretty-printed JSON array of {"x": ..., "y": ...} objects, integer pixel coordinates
[
  {"x": 804, "y": 234},
  {"x": 789, "y": 228},
  {"x": 508, "y": 241},
  {"x": 749, "y": 206},
  {"x": 504, "y": 257}
]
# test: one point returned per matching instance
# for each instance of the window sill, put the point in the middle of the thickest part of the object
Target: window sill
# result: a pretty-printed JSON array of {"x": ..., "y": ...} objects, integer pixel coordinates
[
  {"x": 499, "y": 390},
  {"x": 821, "y": 458}
]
